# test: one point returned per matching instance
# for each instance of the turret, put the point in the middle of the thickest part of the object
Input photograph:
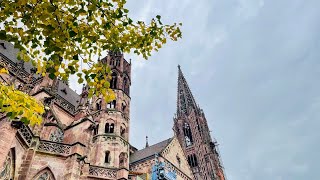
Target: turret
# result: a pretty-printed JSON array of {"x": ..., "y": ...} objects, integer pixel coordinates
[{"x": 110, "y": 138}]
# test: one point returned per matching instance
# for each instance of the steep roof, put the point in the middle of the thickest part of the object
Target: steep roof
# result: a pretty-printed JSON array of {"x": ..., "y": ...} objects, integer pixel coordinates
[
  {"x": 7, "y": 50},
  {"x": 149, "y": 151}
]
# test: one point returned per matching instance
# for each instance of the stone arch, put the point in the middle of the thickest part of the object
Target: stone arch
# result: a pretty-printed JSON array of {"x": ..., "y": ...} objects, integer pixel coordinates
[
  {"x": 109, "y": 126},
  {"x": 7, "y": 171},
  {"x": 44, "y": 174}
]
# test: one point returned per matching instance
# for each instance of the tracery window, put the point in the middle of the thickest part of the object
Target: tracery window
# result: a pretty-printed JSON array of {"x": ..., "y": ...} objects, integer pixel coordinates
[
  {"x": 187, "y": 134},
  {"x": 7, "y": 171},
  {"x": 45, "y": 175},
  {"x": 56, "y": 136}
]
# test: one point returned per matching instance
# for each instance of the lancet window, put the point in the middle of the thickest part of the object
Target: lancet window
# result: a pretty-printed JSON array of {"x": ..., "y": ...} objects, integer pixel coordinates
[
  {"x": 113, "y": 82},
  {"x": 187, "y": 134}
]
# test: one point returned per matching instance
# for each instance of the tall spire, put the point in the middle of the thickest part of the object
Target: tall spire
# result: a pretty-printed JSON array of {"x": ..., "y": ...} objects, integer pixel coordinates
[{"x": 185, "y": 99}]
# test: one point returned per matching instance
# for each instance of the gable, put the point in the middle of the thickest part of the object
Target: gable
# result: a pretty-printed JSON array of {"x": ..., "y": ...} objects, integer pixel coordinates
[{"x": 173, "y": 152}]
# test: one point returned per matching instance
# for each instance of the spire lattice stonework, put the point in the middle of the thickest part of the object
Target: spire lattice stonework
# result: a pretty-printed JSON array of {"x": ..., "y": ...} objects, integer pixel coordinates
[{"x": 185, "y": 99}]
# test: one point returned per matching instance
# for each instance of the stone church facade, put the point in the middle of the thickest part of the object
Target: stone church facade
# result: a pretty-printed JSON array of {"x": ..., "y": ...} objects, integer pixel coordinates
[{"x": 83, "y": 138}]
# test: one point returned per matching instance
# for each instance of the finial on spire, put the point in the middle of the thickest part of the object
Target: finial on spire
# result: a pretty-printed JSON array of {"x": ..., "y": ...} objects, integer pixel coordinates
[
  {"x": 147, "y": 144},
  {"x": 179, "y": 66}
]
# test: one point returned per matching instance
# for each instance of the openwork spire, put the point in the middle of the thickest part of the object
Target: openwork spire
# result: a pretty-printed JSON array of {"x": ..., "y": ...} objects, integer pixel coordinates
[{"x": 185, "y": 100}]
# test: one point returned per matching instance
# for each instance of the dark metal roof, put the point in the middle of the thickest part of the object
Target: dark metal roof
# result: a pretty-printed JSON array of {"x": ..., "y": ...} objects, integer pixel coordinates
[{"x": 149, "y": 151}]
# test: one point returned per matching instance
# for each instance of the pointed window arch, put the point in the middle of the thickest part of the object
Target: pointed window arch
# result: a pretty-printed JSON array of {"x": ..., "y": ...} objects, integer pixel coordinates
[
  {"x": 7, "y": 171},
  {"x": 45, "y": 174},
  {"x": 57, "y": 135}
]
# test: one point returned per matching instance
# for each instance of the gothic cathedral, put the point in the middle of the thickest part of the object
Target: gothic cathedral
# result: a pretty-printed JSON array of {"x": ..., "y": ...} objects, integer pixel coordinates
[{"x": 82, "y": 138}]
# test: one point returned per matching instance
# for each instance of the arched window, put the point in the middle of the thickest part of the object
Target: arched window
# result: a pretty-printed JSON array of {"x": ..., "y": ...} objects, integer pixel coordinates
[
  {"x": 122, "y": 131},
  {"x": 98, "y": 104},
  {"x": 107, "y": 157},
  {"x": 113, "y": 82},
  {"x": 112, "y": 104},
  {"x": 109, "y": 128},
  {"x": 7, "y": 171},
  {"x": 45, "y": 174},
  {"x": 123, "y": 159},
  {"x": 187, "y": 134},
  {"x": 56, "y": 136}
]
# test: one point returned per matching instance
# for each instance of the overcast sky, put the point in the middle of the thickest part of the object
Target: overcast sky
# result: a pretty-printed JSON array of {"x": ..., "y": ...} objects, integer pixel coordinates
[{"x": 254, "y": 68}]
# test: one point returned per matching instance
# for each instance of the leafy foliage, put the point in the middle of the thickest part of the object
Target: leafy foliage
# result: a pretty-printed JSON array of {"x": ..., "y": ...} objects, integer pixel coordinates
[
  {"x": 60, "y": 36},
  {"x": 17, "y": 104}
]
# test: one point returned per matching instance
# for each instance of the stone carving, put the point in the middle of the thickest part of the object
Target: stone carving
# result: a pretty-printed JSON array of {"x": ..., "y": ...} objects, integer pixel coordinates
[
  {"x": 54, "y": 147},
  {"x": 56, "y": 136},
  {"x": 102, "y": 172},
  {"x": 26, "y": 134},
  {"x": 64, "y": 104}
]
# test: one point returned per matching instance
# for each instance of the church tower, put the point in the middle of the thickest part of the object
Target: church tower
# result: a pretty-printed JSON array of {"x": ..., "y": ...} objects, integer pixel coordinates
[
  {"x": 191, "y": 129},
  {"x": 110, "y": 147}
]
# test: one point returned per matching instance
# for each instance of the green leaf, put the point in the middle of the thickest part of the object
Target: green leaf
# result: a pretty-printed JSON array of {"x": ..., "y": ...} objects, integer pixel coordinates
[
  {"x": 24, "y": 120},
  {"x": 9, "y": 114},
  {"x": 72, "y": 33},
  {"x": 76, "y": 57},
  {"x": 3, "y": 35},
  {"x": 93, "y": 76},
  {"x": 51, "y": 76}
]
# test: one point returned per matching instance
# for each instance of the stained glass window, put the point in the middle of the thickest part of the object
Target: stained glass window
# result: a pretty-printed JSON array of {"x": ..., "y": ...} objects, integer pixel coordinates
[
  {"x": 56, "y": 136},
  {"x": 7, "y": 171}
]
